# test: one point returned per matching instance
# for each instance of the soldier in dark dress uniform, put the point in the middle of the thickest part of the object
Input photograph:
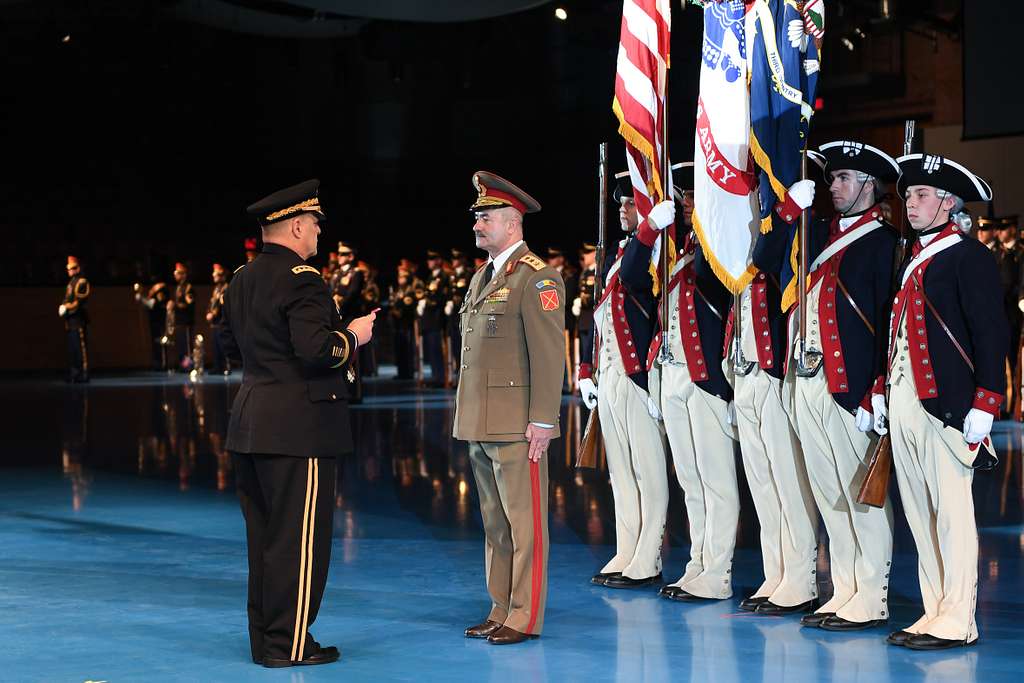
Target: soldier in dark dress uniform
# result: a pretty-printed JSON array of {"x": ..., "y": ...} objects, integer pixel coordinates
[
  {"x": 154, "y": 300},
  {"x": 348, "y": 283},
  {"x": 289, "y": 422},
  {"x": 76, "y": 321},
  {"x": 183, "y": 308},
  {"x": 583, "y": 304},
  {"x": 215, "y": 316},
  {"x": 402, "y": 309},
  {"x": 458, "y": 285},
  {"x": 1010, "y": 257},
  {"x": 431, "y": 314},
  {"x": 570, "y": 276}
]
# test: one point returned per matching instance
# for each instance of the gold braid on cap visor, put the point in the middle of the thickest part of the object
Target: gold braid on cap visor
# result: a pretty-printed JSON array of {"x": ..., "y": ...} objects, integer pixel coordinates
[{"x": 308, "y": 205}]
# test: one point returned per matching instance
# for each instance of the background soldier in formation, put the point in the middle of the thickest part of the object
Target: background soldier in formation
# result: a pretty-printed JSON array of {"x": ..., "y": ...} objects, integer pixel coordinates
[
  {"x": 348, "y": 282},
  {"x": 181, "y": 316},
  {"x": 215, "y": 317},
  {"x": 583, "y": 305},
  {"x": 570, "y": 276},
  {"x": 154, "y": 300},
  {"x": 458, "y": 286},
  {"x": 75, "y": 315},
  {"x": 430, "y": 309},
  {"x": 402, "y": 309}
]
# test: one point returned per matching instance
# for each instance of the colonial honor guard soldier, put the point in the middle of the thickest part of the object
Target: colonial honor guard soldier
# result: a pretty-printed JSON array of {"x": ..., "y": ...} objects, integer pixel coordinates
[
  {"x": 770, "y": 452},
  {"x": 624, "y": 321},
  {"x": 945, "y": 376},
  {"x": 182, "y": 311},
  {"x": 215, "y": 317},
  {"x": 76, "y": 321},
  {"x": 507, "y": 406},
  {"x": 458, "y": 286},
  {"x": 849, "y": 280},
  {"x": 289, "y": 422},
  {"x": 692, "y": 393},
  {"x": 430, "y": 310}
]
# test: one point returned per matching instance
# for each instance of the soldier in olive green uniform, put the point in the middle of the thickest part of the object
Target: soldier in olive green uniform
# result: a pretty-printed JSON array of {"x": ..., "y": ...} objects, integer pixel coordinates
[{"x": 507, "y": 405}]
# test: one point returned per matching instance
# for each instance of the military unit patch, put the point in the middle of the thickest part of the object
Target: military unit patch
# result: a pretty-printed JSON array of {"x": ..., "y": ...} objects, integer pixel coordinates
[
  {"x": 546, "y": 283},
  {"x": 549, "y": 299},
  {"x": 305, "y": 269}
]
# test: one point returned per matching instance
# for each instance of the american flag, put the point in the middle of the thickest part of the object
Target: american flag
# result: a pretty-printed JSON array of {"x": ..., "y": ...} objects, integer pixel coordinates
[{"x": 640, "y": 89}]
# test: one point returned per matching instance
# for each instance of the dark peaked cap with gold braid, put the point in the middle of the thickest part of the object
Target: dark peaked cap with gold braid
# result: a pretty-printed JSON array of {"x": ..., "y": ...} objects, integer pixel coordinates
[{"x": 288, "y": 203}]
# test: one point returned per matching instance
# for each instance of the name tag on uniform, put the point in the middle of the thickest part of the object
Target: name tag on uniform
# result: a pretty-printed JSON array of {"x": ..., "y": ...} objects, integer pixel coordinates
[{"x": 497, "y": 296}]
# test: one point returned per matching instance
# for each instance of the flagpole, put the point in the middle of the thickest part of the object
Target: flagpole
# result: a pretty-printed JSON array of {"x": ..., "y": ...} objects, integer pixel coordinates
[{"x": 666, "y": 194}]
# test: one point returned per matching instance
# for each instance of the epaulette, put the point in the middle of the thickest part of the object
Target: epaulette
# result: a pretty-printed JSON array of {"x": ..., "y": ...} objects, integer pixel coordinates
[
  {"x": 305, "y": 269},
  {"x": 238, "y": 269},
  {"x": 534, "y": 261}
]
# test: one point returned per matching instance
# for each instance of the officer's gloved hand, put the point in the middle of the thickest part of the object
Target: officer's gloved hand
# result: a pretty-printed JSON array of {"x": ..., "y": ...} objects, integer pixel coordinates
[
  {"x": 864, "y": 420},
  {"x": 61, "y": 310},
  {"x": 662, "y": 215},
  {"x": 577, "y": 307},
  {"x": 977, "y": 425},
  {"x": 421, "y": 306},
  {"x": 802, "y": 193},
  {"x": 588, "y": 392},
  {"x": 449, "y": 307},
  {"x": 881, "y": 414}
]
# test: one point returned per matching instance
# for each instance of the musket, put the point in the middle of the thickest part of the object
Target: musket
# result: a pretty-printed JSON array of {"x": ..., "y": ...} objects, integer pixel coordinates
[
  {"x": 590, "y": 443},
  {"x": 808, "y": 361},
  {"x": 875, "y": 487}
]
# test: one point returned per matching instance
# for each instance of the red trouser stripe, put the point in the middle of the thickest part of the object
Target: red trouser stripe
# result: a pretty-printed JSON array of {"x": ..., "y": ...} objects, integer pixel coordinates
[{"x": 536, "y": 571}]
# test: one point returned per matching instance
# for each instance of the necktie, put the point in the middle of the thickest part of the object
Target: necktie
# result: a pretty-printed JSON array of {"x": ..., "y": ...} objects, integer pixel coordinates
[{"x": 488, "y": 274}]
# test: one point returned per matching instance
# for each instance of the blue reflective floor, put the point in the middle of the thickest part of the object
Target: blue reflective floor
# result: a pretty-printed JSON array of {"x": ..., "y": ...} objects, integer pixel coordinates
[{"x": 124, "y": 559}]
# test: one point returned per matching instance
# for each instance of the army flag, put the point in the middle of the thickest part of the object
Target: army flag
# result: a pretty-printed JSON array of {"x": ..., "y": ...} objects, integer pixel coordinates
[
  {"x": 785, "y": 38},
  {"x": 641, "y": 73},
  {"x": 726, "y": 216}
]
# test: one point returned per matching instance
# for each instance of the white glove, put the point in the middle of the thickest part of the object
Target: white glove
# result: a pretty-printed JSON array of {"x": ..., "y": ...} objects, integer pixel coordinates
[
  {"x": 977, "y": 425},
  {"x": 730, "y": 413},
  {"x": 577, "y": 307},
  {"x": 881, "y": 413},
  {"x": 448, "y": 308},
  {"x": 1020, "y": 305},
  {"x": 61, "y": 310},
  {"x": 796, "y": 35},
  {"x": 588, "y": 392},
  {"x": 149, "y": 303},
  {"x": 663, "y": 214},
  {"x": 865, "y": 421},
  {"x": 811, "y": 66},
  {"x": 652, "y": 409},
  {"x": 802, "y": 193},
  {"x": 420, "y": 307}
]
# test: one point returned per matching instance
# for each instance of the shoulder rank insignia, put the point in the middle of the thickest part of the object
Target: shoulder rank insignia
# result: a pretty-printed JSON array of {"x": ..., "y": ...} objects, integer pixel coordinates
[
  {"x": 305, "y": 269},
  {"x": 533, "y": 261},
  {"x": 546, "y": 283}
]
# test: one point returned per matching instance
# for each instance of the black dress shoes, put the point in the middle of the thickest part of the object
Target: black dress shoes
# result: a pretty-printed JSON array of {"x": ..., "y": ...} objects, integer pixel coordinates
[
  {"x": 898, "y": 637},
  {"x": 751, "y": 604},
  {"x": 770, "y": 609},
  {"x": 482, "y": 630},
  {"x": 835, "y": 623},
  {"x": 324, "y": 655},
  {"x": 509, "y": 636},
  {"x": 621, "y": 581},
  {"x": 668, "y": 591},
  {"x": 815, "y": 618},
  {"x": 599, "y": 578},
  {"x": 924, "y": 641}
]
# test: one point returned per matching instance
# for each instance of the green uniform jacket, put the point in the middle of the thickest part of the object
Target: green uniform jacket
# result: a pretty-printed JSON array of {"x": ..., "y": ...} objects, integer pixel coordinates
[{"x": 513, "y": 351}]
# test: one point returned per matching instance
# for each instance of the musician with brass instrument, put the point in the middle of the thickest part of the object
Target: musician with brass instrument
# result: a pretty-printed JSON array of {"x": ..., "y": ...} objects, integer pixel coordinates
[
  {"x": 72, "y": 310},
  {"x": 402, "y": 311},
  {"x": 691, "y": 391},
  {"x": 947, "y": 349},
  {"x": 458, "y": 287},
  {"x": 154, "y": 300},
  {"x": 430, "y": 310},
  {"x": 625, "y": 320},
  {"x": 848, "y": 285},
  {"x": 583, "y": 305},
  {"x": 181, "y": 316},
  {"x": 215, "y": 317},
  {"x": 756, "y": 343}
]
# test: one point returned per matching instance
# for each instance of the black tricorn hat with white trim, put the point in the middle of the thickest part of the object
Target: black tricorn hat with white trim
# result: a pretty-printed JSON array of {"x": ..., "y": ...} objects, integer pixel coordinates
[
  {"x": 857, "y": 156},
  {"x": 944, "y": 174},
  {"x": 682, "y": 178},
  {"x": 623, "y": 187}
]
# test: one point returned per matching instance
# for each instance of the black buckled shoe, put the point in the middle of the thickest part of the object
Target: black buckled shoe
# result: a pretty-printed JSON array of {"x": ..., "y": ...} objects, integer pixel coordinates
[
  {"x": 324, "y": 655},
  {"x": 924, "y": 641},
  {"x": 751, "y": 604},
  {"x": 668, "y": 591},
  {"x": 683, "y": 596},
  {"x": 836, "y": 623},
  {"x": 626, "y": 582},
  {"x": 599, "y": 579},
  {"x": 769, "y": 608},
  {"x": 898, "y": 638},
  {"x": 814, "y": 619}
]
